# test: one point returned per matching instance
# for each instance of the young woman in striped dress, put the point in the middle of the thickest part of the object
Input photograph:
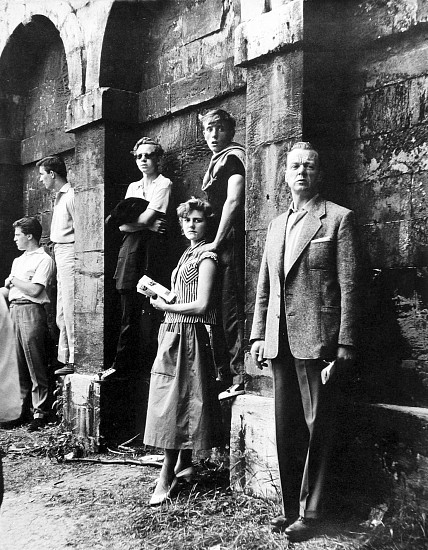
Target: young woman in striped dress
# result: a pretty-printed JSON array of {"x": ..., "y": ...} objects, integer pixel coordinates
[{"x": 183, "y": 410}]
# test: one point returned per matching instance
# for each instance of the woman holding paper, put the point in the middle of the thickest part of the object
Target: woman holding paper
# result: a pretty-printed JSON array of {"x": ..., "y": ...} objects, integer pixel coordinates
[{"x": 183, "y": 410}]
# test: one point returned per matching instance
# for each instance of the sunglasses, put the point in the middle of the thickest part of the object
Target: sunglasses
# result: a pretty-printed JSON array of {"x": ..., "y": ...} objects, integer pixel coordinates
[{"x": 145, "y": 155}]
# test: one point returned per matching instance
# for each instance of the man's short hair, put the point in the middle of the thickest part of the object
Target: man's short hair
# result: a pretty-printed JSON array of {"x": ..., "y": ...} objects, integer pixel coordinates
[
  {"x": 306, "y": 146},
  {"x": 54, "y": 163},
  {"x": 30, "y": 226},
  {"x": 223, "y": 116},
  {"x": 148, "y": 141}
]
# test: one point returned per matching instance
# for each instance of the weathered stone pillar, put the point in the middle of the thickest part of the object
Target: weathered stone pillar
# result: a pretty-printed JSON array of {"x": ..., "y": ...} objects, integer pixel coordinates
[
  {"x": 269, "y": 45},
  {"x": 99, "y": 119},
  {"x": 90, "y": 117}
]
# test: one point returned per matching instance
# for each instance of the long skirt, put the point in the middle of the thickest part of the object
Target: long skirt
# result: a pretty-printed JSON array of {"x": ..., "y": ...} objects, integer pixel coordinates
[{"x": 183, "y": 409}]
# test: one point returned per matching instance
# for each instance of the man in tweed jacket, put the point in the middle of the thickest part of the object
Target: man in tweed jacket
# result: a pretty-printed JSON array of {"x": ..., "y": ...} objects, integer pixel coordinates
[{"x": 305, "y": 317}]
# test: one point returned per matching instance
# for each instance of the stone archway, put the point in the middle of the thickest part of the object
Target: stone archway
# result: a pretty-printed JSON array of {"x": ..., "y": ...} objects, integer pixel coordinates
[{"x": 34, "y": 92}]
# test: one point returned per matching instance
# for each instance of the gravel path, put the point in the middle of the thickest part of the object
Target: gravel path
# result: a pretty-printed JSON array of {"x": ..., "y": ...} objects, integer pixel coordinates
[
  {"x": 27, "y": 524},
  {"x": 71, "y": 509}
]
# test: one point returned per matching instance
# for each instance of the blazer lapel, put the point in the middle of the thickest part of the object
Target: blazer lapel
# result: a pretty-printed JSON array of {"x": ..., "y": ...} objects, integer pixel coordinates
[
  {"x": 312, "y": 224},
  {"x": 279, "y": 244}
]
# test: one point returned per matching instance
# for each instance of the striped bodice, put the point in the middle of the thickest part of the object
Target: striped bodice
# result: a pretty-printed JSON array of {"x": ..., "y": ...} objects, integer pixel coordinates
[{"x": 184, "y": 282}]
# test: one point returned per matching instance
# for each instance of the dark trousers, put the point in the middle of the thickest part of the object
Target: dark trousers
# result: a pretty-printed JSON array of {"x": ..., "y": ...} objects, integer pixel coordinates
[
  {"x": 228, "y": 342},
  {"x": 31, "y": 333},
  {"x": 137, "y": 343},
  {"x": 305, "y": 426}
]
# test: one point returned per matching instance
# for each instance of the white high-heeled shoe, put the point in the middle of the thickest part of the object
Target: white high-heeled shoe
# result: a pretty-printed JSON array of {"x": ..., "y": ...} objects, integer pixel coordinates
[{"x": 160, "y": 498}]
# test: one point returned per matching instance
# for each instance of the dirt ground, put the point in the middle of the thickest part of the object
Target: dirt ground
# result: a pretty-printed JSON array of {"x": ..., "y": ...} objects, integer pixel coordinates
[{"x": 52, "y": 505}]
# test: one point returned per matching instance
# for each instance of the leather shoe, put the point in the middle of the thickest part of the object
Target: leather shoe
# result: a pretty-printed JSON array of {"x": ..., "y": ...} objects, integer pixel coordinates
[
  {"x": 68, "y": 368},
  {"x": 36, "y": 424},
  {"x": 279, "y": 524},
  {"x": 302, "y": 529}
]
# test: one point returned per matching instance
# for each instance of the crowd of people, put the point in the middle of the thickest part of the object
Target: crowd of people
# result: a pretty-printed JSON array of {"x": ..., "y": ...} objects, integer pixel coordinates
[{"x": 304, "y": 321}]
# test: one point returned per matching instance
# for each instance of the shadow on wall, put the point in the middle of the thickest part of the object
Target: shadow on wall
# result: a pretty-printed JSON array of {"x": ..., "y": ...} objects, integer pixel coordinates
[{"x": 381, "y": 377}]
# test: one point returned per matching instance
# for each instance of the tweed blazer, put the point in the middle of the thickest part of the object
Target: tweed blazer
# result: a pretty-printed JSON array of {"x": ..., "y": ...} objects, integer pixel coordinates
[{"x": 319, "y": 292}]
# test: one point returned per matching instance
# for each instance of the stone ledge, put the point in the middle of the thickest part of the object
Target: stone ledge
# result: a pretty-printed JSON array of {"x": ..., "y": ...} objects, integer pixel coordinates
[
  {"x": 201, "y": 87},
  {"x": 269, "y": 32},
  {"x": 102, "y": 104},
  {"x": 382, "y": 453},
  {"x": 55, "y": 141}
]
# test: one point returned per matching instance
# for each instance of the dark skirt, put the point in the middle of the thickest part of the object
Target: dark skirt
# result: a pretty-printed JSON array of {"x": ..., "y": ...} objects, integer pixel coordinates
[{"x": 183, "y": 409}]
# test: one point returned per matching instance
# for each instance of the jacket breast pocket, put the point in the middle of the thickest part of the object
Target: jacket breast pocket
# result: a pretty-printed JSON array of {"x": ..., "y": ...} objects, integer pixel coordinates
[{"x": 322, "y": 255}]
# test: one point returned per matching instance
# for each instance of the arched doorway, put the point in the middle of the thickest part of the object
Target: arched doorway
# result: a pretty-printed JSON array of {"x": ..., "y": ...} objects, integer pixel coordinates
[{"x": 34, "y": 93}]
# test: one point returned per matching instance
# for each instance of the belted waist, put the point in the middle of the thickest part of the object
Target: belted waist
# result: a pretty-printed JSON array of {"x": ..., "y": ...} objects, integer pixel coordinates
[{"x": 19, "y": 302}]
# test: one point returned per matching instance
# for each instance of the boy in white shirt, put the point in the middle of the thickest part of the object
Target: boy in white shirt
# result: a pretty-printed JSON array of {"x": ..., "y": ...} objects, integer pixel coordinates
[{"x": 25, "y": 289}]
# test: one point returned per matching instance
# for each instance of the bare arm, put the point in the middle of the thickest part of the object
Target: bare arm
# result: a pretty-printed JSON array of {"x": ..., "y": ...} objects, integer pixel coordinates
[
  {"x": 207, "y": 270},
  {"x": 28, "y": 288},
  {"x": 149, "y": 219}
]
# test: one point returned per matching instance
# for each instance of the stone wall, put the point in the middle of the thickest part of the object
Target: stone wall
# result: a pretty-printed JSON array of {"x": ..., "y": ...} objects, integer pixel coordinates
[{"x": 366, "y": 82}]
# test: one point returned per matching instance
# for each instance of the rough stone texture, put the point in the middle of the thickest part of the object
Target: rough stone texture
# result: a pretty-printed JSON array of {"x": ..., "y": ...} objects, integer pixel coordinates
[
  {"x": 261, "y": 382},
  {"x": 253, "y": 464},
  {"x": 63, "y": 17},
  {"x": 82, "y": 409},
  {"x": 186, "y": 38},
  {"x": 394, "y": 439},
  {"x": 11, "y": 200},
  {"x": 89, "y": 282},
  {"x": 380, "y": 19},
  {"x": 274, "y": 119},
  {"x": 365, "y": 98},
  {"x": 269, "y": 32}
]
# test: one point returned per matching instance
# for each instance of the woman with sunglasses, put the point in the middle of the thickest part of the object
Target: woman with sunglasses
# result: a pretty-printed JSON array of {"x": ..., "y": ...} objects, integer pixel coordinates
[
  {"x": 141, "y": 253},
  {"x": 183, "y": 410}
]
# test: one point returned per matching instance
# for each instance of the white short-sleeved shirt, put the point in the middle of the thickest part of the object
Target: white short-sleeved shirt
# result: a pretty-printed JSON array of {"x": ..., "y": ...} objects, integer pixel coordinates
[
  {"x": 158, "y": 193},
  {"x": 62, "y": 225},
  {"x": 33, "y": 267}
]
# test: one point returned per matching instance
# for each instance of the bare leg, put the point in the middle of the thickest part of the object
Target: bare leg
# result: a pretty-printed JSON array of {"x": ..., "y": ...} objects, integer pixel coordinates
[
  {"x": 167, "y": 473},
  {"x": 184, "y": 460}
]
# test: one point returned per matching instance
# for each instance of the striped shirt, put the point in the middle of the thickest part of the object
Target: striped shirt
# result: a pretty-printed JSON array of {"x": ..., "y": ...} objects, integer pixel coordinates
[{"x": 184, "y": 282}]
